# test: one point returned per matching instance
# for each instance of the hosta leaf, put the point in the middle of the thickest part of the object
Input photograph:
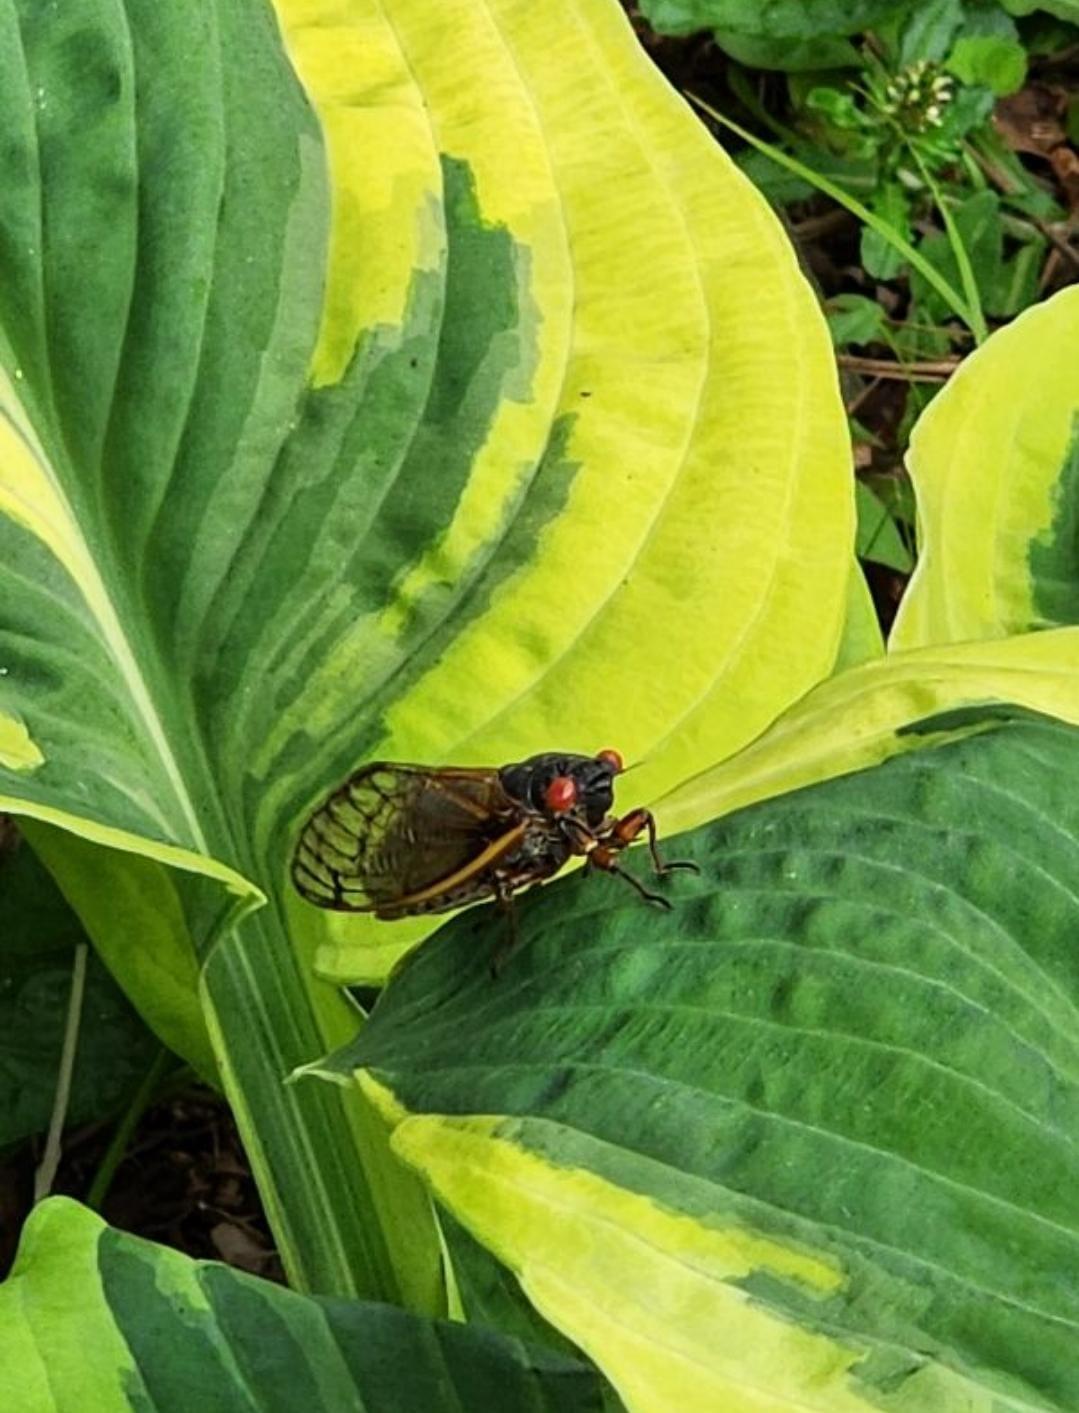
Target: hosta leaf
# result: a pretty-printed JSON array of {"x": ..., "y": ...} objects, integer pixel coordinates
[
  {"x": 643, "y": 415},
  {"x": 386, "y": 379},
  {"x": 661, "y": 462},
  {"x": 489, "y": 1293},
  {"x": 92, "y": 1318},
  {"x": 883, "y": 708},
  {"x": 807, "y": 1141},
  {"x": 995, "y": 461}
]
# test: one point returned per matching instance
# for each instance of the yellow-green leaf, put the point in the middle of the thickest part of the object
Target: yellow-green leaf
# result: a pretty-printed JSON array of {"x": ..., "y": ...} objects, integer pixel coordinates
[
  {"x": 652, "y": 549},
  {"x": 883, "y": 708},
  {"x": 17, "y": 750},
  {"x": 995, "y": 463}
]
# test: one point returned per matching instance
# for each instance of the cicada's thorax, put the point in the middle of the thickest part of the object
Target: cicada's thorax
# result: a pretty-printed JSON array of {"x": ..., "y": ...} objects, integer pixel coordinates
[{"x": 589, "y": 782}]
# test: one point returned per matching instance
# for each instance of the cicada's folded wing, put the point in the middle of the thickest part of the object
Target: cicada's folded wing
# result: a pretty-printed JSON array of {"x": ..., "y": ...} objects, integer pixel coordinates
[{"x": 392, "y": 831}]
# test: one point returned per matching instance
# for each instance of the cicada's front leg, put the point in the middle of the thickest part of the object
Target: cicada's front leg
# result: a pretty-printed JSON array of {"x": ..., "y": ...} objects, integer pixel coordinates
[
  {"x": 625, "y": 830},
  {"x": 603, "y": 848},
  {"x": 603, "y": 851}
]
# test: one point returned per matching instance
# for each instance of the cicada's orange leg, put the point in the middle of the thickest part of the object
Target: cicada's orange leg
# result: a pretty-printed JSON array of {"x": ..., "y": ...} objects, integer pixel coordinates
[
  {"x": 604, "y": 850},
  {"x": 601, "y": 850},
  {"x": 605, "y": 856},
  {"x": 630, "y": 826}
]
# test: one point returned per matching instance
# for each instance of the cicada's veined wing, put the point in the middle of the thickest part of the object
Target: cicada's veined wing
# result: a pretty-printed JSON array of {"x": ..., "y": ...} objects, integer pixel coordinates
[{"x": 393, "y": 832}]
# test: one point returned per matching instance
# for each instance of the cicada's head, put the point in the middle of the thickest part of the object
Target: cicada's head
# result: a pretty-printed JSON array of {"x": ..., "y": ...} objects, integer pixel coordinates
[{"x": 559, "y": 785}]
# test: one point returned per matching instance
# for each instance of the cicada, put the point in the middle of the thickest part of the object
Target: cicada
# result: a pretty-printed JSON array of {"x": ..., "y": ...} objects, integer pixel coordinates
[{"x": 399, "y": 840}]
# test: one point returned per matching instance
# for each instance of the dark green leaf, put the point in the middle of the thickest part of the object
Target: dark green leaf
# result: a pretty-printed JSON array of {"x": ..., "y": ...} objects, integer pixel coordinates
[
  {"x": 897, "y": 493},
  {"x": 1016, "y": 285},
  {"x": 788, "y": 55},
  {"x": 857, "y": 174},
  {"x": 175, "y": 1335},
  {"x": 1063, "y": 9},
  {"x": 928, "y": 31},
  {"x": 997, "y": 64},
  {"x": 979, "y": 226},
  {"x": 856, "y": 1031},
  {"x": 779, "y": 185},
  {"x": 921, "y": 337},
  {"x": 878, "y": 536},
  {"x": 35, "y": 916},
  {"x": 854, "y": 319},
  {"x": 836, "y": 105},
  {"x": 1024, "y": 192},
  {"x": 968, "y": 110},
  {"x": 772, "y": 19},
  {"x": 881, "y": 259},
  {"x": 38, "y": 934},
  {"x": 1044, "y": 35},
  {"x": 988, "y": 17}
]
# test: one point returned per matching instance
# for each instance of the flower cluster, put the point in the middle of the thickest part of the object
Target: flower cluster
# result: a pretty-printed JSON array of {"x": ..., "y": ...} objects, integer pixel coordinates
[{"x": 917, "y": 96}]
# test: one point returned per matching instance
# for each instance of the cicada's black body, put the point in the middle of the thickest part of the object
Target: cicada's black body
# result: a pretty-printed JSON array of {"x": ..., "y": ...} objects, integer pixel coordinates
[{"x": 399, "y": 840}]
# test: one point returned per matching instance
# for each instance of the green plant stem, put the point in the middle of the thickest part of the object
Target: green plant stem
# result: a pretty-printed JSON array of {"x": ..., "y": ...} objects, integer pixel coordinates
[
  {"x": 959, "y": 250},
  {"x": 50, "y": 1159},
  {"x": 952, "y": 297},
  {"x": 124, "y": 1129},
  {"x": 743, "y": 91},
  {"x": 348, "y": 1218}
]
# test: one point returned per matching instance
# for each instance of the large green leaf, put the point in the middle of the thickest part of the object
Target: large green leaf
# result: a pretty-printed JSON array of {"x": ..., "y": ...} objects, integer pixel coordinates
[
  {"x": 658, "y": 545},
  {"x": 163, "y": 230},
  {"x": 995, "y": 461},
  {"x": 808, "y": 1141},
  {"x": 377, "y": 377},
  {"x": 92, "y": 1319}
]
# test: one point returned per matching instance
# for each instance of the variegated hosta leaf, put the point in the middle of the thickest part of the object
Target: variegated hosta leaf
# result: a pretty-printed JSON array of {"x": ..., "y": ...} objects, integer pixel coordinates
[
  {"x": 91, "y": 1318},
  {"x": 884, "y": 708},
  {"x": 995, "y": 461},
  {"x": 807, "y": 1141},
  {"x": 643, "y": 494},
  {"x": 378, "y": 377}
]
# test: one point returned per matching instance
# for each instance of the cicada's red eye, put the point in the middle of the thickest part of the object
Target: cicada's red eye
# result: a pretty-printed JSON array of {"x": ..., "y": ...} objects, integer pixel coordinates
[
  {"x": 613, "y": 759},
  {"x": 561, "y": 794}
]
